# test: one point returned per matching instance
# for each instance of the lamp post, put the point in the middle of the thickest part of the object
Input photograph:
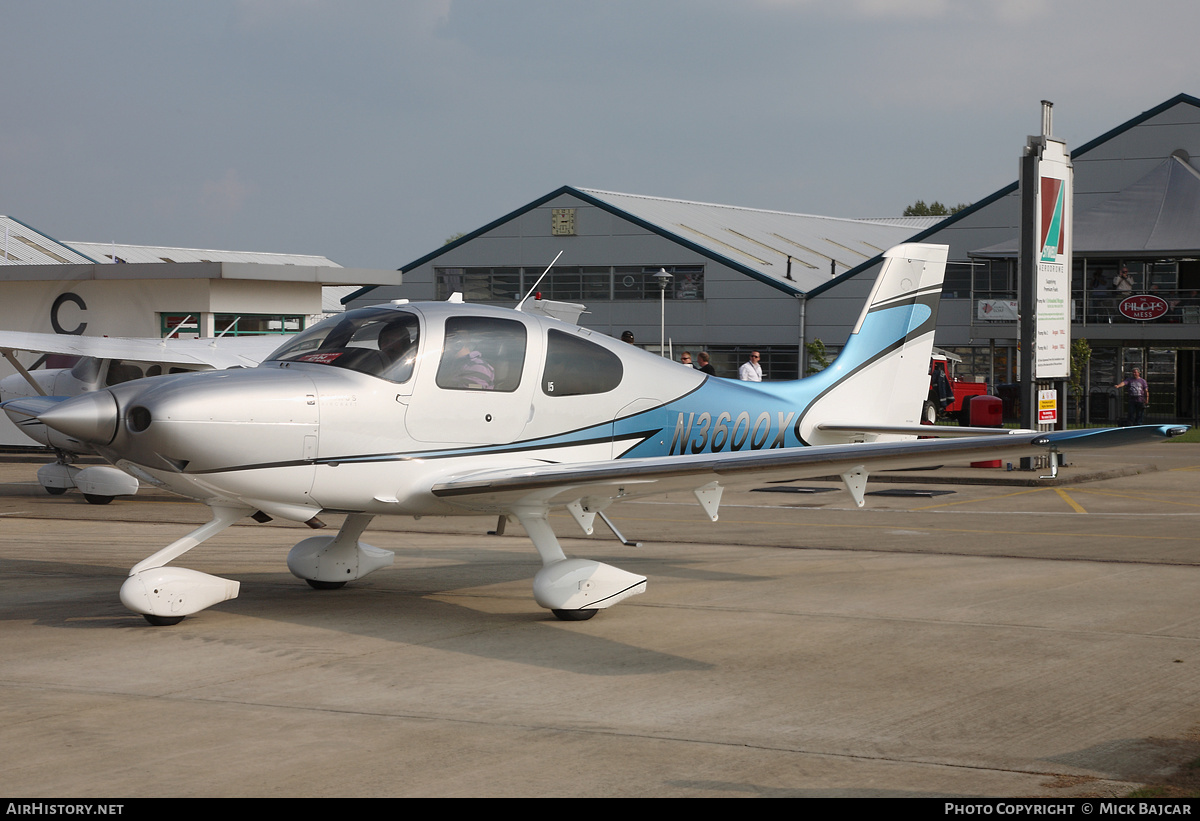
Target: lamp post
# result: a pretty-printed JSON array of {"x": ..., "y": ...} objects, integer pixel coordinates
[{"x": 663, "y": 278}]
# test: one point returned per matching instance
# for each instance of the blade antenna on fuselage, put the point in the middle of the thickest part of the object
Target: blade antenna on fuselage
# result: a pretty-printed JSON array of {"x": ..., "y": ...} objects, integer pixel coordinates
[{"x": 539, "y": 281}]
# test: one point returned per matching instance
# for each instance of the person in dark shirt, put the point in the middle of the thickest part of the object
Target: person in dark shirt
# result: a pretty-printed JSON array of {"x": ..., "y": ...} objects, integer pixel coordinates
[{"x": 1137, "y": 393}]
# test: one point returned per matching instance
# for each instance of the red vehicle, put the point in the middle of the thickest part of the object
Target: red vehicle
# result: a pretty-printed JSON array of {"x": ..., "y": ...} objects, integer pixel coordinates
[{"x": 946, "y": 394}]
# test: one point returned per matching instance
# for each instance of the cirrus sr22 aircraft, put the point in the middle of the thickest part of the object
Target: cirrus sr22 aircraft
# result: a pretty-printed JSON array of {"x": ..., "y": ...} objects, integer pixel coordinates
[{"x": 455, "y": 409}]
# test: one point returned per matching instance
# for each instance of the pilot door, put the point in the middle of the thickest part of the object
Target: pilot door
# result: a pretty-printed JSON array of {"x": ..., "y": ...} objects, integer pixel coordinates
[{"x": 481, "y": 389}]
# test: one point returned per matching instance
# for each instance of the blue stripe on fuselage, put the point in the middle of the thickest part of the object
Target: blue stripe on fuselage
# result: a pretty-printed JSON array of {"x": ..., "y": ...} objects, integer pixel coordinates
[{"x": 728, "y": 416}]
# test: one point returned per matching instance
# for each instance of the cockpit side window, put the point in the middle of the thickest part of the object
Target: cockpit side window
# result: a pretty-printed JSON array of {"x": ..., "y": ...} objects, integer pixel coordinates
[
  {"x": 482, "y": 353},
  {"x": 577, "y": 367},
  {"x": 377, "y": 341},
  {"x": 86, "y": 369},
  {"x": 120, "y": 370}
]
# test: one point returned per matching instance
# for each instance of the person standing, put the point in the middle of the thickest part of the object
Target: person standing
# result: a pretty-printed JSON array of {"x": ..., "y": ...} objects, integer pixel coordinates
[
  {"x": 686, "y": 359},
  {"x": 1137, "y": 392},
  {"x": 1122, "y": 283},
  {"x": 705, "y": 365},
  {"x": 751, "y": 371}
]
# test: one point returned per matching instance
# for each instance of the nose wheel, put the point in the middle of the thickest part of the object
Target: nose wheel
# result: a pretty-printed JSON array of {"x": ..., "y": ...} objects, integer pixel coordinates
[{"x": 317, "y": 584}]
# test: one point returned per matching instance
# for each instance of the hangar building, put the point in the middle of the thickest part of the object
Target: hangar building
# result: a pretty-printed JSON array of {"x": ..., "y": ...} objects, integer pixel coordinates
[
  {"x": 744, "y": 279},
  {"x": 738, "y": 276}
]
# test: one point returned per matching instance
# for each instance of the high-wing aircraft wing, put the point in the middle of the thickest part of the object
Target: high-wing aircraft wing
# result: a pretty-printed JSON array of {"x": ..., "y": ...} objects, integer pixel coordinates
[
  {"x": 218, "y": 353},
  {"x": 108, "y": 361}
]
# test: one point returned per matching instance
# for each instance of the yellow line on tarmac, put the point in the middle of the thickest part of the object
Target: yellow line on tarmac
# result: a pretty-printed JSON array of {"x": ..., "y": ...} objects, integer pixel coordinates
[
  {"x": 1074, "y": 505},
  {"x": 976, "y": 501},
  {"x": 1138, "y": 498}
]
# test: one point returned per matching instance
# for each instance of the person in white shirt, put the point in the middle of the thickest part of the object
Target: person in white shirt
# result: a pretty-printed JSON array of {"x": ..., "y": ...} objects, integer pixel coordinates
[{"x": 751, "y": 371}]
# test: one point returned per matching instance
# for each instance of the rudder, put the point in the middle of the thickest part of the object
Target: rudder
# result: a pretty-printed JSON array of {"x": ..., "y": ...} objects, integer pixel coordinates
[{"x": 881, "y": 377}]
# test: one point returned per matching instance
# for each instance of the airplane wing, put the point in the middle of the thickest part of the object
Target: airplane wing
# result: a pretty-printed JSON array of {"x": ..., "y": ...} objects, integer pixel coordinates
[
  {"x": 548, "y": 485},
  {"x": 244, "y": 351}
]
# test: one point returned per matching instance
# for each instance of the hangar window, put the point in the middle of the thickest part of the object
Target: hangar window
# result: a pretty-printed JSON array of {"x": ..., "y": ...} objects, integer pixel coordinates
[
  {"x": 574, "y": 283},
  {"x": 256, "y": 324},
  {"x": 577, "y": 367},
  {"x": 479, "y": 284},
  {"x": 188, "y": 324},
  {"x": 639, "y": 282},
  {"x": 570, "y": 283}
]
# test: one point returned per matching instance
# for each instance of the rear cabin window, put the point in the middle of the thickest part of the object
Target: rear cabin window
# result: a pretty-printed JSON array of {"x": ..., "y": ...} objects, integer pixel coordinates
[
  {"x": 576, "y": 367},
  {"x": 482, "y": 354}
]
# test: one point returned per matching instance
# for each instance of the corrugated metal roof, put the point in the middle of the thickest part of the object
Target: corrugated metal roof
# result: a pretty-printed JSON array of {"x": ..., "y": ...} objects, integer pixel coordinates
[
  {"x": 1154, "y": 216},
  {"x": 104, "y": 252},
  {"x": 763, "y": 241},
  {"x": 332, "y": 296},
  {"x": 22, "y": 245}
]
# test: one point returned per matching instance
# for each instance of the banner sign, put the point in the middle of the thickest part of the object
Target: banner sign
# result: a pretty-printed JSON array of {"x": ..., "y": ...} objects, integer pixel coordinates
[
  {"x": 997, "y": 310},
  {"x": 1052, "y": 357}
]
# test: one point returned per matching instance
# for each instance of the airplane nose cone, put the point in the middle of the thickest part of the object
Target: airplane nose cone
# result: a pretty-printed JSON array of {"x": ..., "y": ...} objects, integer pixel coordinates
[{"x": 90, "y": 418}]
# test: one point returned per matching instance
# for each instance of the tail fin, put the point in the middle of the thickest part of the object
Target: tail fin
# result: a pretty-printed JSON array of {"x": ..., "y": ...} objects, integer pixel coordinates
[{"x": 881, "y": 377}]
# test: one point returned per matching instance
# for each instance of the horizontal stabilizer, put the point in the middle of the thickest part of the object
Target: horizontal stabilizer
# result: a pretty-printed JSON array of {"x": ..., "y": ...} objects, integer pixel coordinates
[{"x": 1109, "y": 437}]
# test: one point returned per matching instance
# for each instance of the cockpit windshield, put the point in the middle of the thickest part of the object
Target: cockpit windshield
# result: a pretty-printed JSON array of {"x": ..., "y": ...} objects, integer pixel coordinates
[{"x": 377, "y": 341}]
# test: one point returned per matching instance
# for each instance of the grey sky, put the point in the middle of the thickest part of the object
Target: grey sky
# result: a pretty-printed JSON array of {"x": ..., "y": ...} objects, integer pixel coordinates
[{"x": 369, "y": 132}]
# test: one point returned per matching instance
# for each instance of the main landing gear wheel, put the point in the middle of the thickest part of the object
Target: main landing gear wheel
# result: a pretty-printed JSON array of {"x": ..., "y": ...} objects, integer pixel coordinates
[
  {"x": 93, "y": 499},
  {"x": 162, "y": 621},
  {"x": 574, "y": 615},
  {"x": 56, "y": 491},
  {"x": 319, "y": 585}
]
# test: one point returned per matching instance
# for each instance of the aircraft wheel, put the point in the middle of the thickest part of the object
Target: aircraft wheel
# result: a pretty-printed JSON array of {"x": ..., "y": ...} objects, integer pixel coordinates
[
  {"x": 574, "y": 615},
  {"x": 56, "y": 491},
  {"x": 929, "y": 413},
  {"x": 162, "y": 621},
  {"x": 93, "y": 499},
  {"x": 319, "y": 585}
]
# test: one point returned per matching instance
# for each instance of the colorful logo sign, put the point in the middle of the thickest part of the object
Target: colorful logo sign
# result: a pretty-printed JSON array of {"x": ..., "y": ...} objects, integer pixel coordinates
[
  {"x": 1144, "y": 307},
  {"x": 1052, "y": 235}
]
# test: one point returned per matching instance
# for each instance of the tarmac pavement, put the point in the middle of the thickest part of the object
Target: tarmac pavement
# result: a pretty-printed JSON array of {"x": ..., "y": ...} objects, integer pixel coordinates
[{"x": 1004, "y": 640}]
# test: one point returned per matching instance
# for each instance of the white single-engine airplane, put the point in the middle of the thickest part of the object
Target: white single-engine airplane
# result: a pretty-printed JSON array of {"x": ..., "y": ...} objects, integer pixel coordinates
[
  {"x": 455, "y": 409},
  {"x": 102, "y": 363}
]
